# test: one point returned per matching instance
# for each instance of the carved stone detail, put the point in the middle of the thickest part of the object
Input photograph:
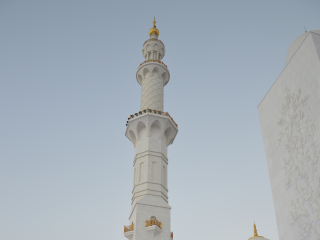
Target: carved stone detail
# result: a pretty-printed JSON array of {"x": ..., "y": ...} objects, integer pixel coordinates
[{"x": 301, "y": 165}]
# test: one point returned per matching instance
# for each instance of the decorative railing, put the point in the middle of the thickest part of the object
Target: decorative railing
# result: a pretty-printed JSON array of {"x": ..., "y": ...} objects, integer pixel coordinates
[
  {"x": 153, "y": 39},
  {"x": 171, "y": 235},
  {"x": 128, "y": 228},
  {"x": 151, "y": 111},
  {"x": 153, "y": 222},
  {"x": 158, "y": 61}
]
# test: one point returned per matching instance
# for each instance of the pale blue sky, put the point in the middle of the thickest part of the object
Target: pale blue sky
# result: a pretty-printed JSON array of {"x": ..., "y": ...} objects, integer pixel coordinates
[{"x": 67, "y": 75}]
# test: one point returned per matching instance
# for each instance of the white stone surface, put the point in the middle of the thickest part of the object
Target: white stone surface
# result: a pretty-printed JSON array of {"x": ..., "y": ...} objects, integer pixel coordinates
[
  {"x": 150, "y": 134},
  {"x": 290, "y": 123},
  {"x": 153, "y": 230},
  {"x": 129, "y": 235},
  {"x": 152, "y": 76},
  {"x": 153, "y": 49}
]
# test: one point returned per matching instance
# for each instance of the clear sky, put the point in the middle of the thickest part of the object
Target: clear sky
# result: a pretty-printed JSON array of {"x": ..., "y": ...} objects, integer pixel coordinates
[{"x": 67, "y": 87}]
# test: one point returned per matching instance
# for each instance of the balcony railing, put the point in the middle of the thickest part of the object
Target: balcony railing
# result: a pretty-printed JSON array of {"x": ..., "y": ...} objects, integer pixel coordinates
[
  {"x": 153, "y": 222},
  {"x": 153, "y": 39},
  {"x": 151, "y": 111},
  {"x": 158, "y": 61},
  {"x": 128, "y": 228}
]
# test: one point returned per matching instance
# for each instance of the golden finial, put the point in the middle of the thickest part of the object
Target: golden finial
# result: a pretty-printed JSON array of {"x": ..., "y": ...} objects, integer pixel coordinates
[
  {"x": 255, "y": 232},
  {"x": 154, "y": 30}
]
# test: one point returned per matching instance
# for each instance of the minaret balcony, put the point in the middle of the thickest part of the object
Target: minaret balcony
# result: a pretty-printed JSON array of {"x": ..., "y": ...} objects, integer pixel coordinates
[
  {"x": 153, "y": 222},
  {"x": 153, "y": 49},
  {"x": 128, "y": 231},
  {"x": 154, "y": 66},
  {"x": 148, "y": 126},
  {"x": 151, "y": 111},
  {"x": 153, "y": 226}
]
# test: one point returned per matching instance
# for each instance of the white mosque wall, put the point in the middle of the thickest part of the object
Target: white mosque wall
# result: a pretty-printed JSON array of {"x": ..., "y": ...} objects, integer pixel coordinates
[{"x": 290, "y": 123}]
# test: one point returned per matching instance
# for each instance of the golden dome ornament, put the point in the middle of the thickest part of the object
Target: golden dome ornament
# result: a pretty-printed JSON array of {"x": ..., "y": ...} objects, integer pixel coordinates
[
  {"x": 255, "y": 235},
  {"x": 154, "y": 30}
]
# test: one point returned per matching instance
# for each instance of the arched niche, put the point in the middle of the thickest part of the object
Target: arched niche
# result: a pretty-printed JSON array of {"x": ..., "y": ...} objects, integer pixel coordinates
[
  {"x": 141, "y": 130},
  {"x": 132, "y": 138},
  {"x": 145, "y": 72},
  {"x": 169, "y": 135},
  {"x": 155, "y": 72},
  {"x": 156, "y": 48},
  {"x": 155, "y": 129},
  {"x": 162, "y": 51},
  {"x": 164, "y": 77}
]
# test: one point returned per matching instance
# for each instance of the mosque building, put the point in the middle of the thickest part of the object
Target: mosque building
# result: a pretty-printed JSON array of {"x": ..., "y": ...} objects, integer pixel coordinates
[{"x": 290, "y": 123}]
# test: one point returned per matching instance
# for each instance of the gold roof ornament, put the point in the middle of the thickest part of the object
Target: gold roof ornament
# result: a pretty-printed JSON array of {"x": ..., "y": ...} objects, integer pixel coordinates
[
  {"x": 154, "y": 30},
  {"x": 255, "y": 232}
]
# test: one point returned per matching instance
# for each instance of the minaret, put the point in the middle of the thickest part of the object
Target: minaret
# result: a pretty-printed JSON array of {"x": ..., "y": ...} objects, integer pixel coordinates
[{"x": 151, "y": 131}]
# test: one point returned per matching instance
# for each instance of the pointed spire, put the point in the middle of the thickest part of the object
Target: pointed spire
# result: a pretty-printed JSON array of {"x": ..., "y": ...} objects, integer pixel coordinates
[
  {"x": 154, "y": 30},
  {"x": 255, "y": 230}
]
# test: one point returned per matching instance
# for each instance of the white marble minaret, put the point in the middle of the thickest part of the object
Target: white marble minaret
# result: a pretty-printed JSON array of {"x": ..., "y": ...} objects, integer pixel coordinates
[{"x": 151, "y": 131}]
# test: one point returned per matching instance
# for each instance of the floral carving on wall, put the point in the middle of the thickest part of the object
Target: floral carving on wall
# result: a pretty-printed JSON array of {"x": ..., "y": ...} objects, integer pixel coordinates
[{"x": 301, "y": 165}]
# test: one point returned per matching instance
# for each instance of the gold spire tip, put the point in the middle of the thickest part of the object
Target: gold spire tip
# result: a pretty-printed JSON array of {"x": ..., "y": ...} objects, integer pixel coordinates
[
  {"x": 154, "y": 30},
  {"x": 255, "y": 231}
]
